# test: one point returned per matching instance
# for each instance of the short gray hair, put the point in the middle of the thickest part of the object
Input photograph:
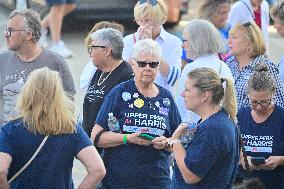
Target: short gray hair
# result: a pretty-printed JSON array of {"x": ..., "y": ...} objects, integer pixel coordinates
[
  {"x": 32, "y": 21},
  {"x": 203, "y": 38},
  {"x": 112, "y": 38},
  {"x": 147, "y": 47}
]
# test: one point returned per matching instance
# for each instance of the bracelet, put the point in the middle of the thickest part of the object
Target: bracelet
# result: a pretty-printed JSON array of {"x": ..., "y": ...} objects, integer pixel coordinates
[{"x": 125, "y": 139}]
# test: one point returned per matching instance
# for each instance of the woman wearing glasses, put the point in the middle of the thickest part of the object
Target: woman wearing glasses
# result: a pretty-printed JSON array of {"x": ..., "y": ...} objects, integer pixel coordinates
[
  {"x": 277, "y": 14},
  {"x": 150, "y": 15},
  {"x": 202, "y": 43},
  {"x": 134, "y": 123},
  {"x": 262, "y": 128},
  {"x": 247, "y": 47},
  {"x": 105, "y": 52}
]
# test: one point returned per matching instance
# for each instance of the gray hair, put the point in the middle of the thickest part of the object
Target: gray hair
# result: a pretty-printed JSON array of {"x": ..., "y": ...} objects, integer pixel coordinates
[
  {"x": 203, "y": 38},
  {"x": 147, "y": 47},
  {"x": 261, "y": 79},
  {"x": 32, "y": 22},
  {"x": 210, "y": 7},
  {"x": 112, "y": 38}
]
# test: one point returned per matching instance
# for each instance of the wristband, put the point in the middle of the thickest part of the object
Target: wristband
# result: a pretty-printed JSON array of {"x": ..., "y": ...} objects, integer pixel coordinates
[{"x": 125, "y": 139}]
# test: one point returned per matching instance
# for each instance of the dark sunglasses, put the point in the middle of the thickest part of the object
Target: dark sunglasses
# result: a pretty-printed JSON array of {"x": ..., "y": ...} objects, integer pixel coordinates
[
  {"x": 143, "y": 64},
  {"x": 263, "y": 104},
  {"x": 90, "y": 49},
  {"x": 9, "y": 31},
  {"x": 151, "y": 2}
]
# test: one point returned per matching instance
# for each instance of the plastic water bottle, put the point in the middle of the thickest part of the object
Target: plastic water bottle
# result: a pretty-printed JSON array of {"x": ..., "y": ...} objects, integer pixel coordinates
[
  {"x": 113, "y": 123},
  {"x": 189, "y": 131},
  {"x": 21, "y": 4}
]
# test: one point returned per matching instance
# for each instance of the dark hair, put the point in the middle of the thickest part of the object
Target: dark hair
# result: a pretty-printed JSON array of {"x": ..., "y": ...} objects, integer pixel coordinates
[
  {"x": 210, "y": 7},
  {"x": 261, "y": 79},
  {"x": 253, "y": 183}
]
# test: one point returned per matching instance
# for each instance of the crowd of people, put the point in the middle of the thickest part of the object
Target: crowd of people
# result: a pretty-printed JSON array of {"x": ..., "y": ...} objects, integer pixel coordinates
[{"x": 132, "y": 123}]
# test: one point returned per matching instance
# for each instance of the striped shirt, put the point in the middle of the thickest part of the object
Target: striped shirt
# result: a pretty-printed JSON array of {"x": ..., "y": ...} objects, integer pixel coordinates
[{"x": 242, "y": 76}]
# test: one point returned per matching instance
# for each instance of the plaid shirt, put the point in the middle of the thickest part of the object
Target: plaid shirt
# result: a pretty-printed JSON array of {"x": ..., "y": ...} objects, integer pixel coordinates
[{"x": 242, "y": 76}]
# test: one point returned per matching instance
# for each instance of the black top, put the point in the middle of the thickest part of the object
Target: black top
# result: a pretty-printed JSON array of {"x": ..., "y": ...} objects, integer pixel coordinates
[{"x": 100, "y": 85}]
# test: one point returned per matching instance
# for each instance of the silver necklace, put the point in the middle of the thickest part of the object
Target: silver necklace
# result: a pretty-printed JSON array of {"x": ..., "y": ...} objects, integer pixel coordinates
[{"x": 103, "y": 80}]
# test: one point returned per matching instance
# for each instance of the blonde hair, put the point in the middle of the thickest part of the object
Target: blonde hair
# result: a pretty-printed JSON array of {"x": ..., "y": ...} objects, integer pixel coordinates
[
  {"x": 251, "y": 32},
  {"x": 101, "y": 25},
  {"x": 44, "y": 106},
  {"x": 207, "y": 79},
  {"x": 158, "y": 12}
]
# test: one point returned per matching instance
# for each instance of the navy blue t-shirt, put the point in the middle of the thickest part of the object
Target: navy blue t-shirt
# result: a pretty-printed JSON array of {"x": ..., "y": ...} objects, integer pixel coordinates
[
  {"x": 52, "y": 167},
  {"x": 264, "y": 140},
  {"x": 213, "y": 154},
  {"x": 133, "y": 166}
]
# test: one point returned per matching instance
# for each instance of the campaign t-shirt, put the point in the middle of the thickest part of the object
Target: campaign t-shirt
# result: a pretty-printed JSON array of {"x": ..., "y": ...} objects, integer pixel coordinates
[
  {"x": 99, "y": 87},
  {"x": 52, "y": 167},
  {"x": 264, "y": 140},
  {"x": 125, "y": 110},
  {"x": 14, "y": 73},
  {"x": 212, "y": 155}
]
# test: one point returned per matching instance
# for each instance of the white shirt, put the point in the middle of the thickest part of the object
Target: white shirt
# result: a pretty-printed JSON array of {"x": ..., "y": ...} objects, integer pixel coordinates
[
  {"x": 240, "y": 13},
  {"x": 87, "y": 75},
  {"x": 207, "y": 61},
  {"x": 281, "y": 69},
  {"x": 171, "y": 54}
]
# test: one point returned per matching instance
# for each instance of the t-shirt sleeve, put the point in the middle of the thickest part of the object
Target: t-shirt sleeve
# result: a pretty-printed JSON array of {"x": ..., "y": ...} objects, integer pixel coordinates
[
  {"x": 65, "y": 75},
  {"x": 109, "y": 105},
  {"x": 82, "y": 140},
  {"x": 202, "y": 153},
  {"x": 6, "y": 145}
]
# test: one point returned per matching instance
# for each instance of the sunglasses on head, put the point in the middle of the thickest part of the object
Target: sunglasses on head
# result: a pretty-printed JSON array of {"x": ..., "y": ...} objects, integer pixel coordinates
[
  {"x": 151, "y": 2},
  {"x": 247, "y": 24},
  {"x": 143, "y": 64}
]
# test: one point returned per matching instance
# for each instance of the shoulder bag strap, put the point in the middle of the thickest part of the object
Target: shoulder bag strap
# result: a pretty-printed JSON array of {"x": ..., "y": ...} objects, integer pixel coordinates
[
  {"x": 29, "y": 162},
  {"x": 252, "y": 14},
  {"x": 134, "y": 38}
]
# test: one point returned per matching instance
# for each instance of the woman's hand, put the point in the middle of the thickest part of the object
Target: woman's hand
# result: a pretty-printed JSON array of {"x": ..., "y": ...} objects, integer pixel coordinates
[
  {"x": 271, "y": 163},
  {"x": 135, "y": 139},
  {"x": 178, "y": 132},
  {"x": 160, "y": 142},
  {"x": 145, "y": 31}
]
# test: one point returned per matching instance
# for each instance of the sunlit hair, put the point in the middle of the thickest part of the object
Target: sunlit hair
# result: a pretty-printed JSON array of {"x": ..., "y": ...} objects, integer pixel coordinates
[
  {"x": 32, "y": 22},
  {"x": 203, "y": 38},
  {"x": 277, "y": 11},
  {"x": 206, "y": 79},
  {"x": 261, "y": 80},
  {"x": 147, "y": 47},
  {"x": 252, "y": 33},
  {"x": 157, "y": 12},
  {"x": 44, "y": 106},
  {"x": 101, "y": 25},
  {"x": 111, "y": 38},
  {"x": 210, "y": 7}
]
